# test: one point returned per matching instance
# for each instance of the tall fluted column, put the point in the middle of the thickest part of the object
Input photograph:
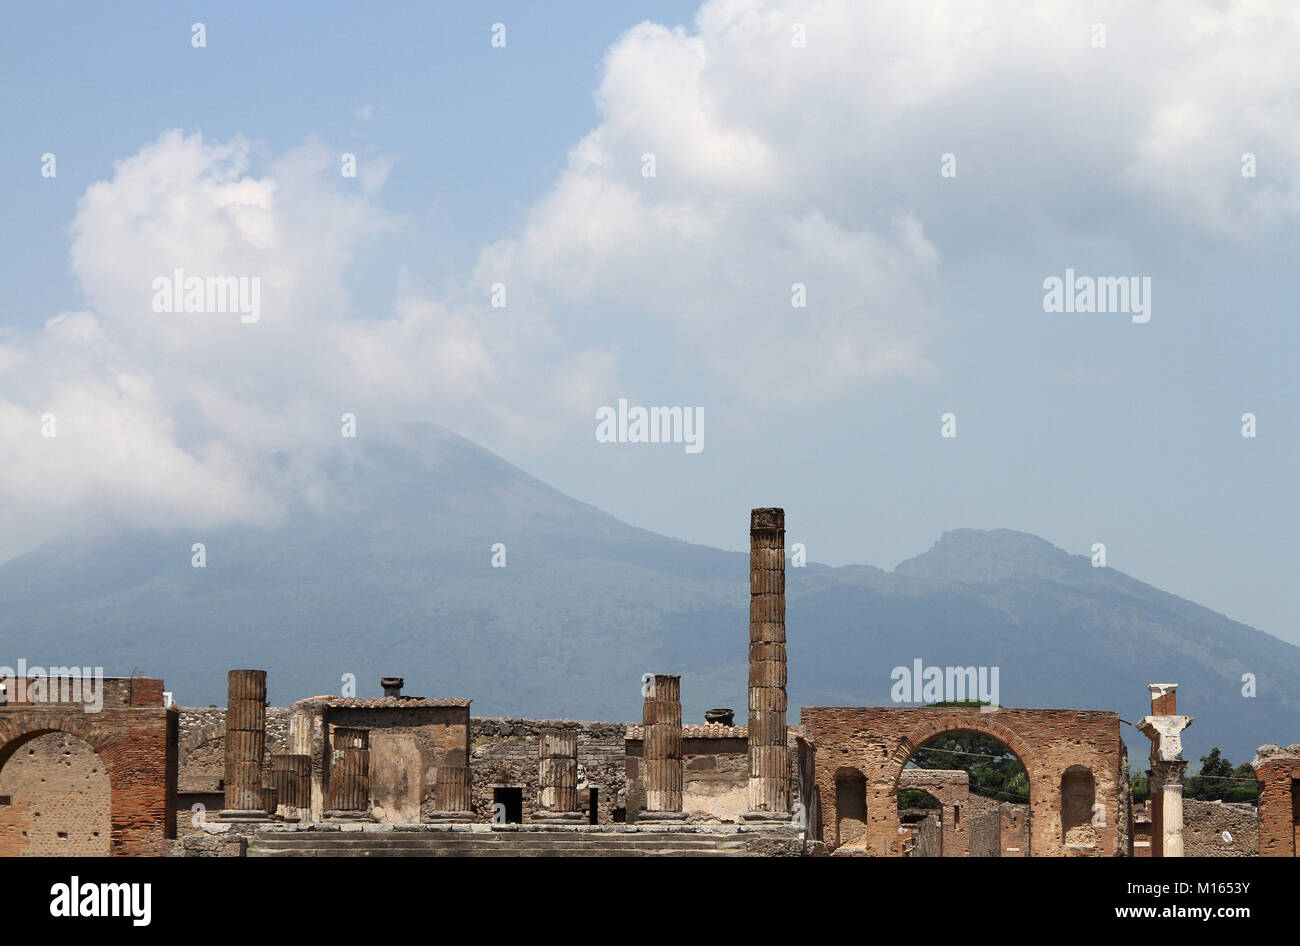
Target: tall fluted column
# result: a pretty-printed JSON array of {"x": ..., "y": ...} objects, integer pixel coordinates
[
  {"x": 1164, "y": 727},
  {"x": 349, "y": 790},
  {"x": 769, "y": 763},
  {"x": 661, "y": 741},
  {"x": 557, "y": 774},
  {"x": 245, "y": 744}
]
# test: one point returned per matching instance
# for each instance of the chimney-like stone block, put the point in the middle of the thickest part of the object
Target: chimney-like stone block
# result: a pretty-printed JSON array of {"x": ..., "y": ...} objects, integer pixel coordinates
[{"x": 1164, "y": 700}]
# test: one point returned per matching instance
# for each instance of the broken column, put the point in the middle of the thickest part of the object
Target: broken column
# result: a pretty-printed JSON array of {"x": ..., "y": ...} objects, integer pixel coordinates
[
  {"x": 769, "y": 764},
  {"x": 557, "y": 771},
  {"x": 349, "y": 790},
  {"x": 661, "y": 741},
  {"x": 291, "y": 777},
  {"x": 245, "y": 744},
  {"x": 1164, "y": 727},
  {"x": 452, "y": 801}
]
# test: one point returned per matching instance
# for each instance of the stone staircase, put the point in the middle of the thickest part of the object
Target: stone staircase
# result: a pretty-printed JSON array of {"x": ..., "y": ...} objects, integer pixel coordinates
[{"x": 498, "y": 842}]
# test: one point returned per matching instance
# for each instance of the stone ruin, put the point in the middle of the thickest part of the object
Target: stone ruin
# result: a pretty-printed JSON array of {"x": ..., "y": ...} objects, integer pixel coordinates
[{"x": 401, "y": 774}]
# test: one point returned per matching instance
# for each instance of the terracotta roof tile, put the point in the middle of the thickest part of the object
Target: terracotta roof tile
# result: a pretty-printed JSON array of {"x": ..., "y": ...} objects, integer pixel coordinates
[{"x": 384, "y": 702}]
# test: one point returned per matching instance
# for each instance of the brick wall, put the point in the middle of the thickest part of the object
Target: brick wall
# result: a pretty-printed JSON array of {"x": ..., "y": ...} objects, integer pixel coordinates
[
  {"x": 133, "y": 737},
  {"x": 878, "y": 741},
  {"x": 1279, "y": 804},
  {"x": 54, "y": 799}
]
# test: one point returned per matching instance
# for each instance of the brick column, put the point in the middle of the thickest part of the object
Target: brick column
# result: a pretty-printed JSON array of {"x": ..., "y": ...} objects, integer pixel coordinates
[
  {"x": 1278, "y": 770},
  {"x": 661, "y": 742},
  {"x": 1164, "y": 727},
  {"x": 245, "y": 744},
  {"x": 557, "y": 774},
  {"x": 349, "y": 790},
  {"x": 769, "y": 762}
]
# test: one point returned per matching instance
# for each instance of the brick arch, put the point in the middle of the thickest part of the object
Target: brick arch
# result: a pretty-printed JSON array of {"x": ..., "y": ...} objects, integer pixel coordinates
[
  {"x": 76, "y": 807},
  {"x": 879, "y": 740},
  {"x": 919, "y": 736},
  {"x": 16, "y": 732},
  {"x": 134, "y": 750},
  {"x": 981, "y": 725}
]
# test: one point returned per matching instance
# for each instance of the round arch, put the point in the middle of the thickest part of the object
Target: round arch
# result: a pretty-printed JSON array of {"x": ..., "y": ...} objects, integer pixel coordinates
[
  {"x": 133, "y": 746},
  {"x": 981, "y": 725},
  {"x": 58, "y": 796},
  {"x": 214, "y": 729}
]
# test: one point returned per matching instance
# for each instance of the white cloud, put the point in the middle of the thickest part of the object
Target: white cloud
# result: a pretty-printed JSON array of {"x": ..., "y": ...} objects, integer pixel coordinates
[{"x": 775, "y": 165}]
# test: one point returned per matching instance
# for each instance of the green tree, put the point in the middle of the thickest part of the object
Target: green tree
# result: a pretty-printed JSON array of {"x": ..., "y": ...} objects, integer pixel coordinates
[
  {"x": 1218, "y": 780},
  {"x": 994, "y": 770}
]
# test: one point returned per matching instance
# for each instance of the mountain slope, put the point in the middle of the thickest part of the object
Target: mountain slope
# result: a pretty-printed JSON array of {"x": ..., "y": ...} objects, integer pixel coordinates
[{"x": 388, "y": 571}]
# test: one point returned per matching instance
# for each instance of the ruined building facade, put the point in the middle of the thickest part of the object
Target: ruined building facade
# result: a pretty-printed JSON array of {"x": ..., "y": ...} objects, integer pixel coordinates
[{"x": 414, "y": 774}]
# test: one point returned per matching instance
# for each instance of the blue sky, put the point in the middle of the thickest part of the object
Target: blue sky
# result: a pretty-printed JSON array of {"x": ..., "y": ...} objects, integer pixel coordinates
[{"x": 776, "y": 164}]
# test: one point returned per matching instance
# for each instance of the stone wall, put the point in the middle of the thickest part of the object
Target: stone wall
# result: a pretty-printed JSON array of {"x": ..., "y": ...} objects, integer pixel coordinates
[
  {"x": 715, "y": 774},
  {"x": 1204, "y": 824},
  {"x": 202, "y": 745},
  {"x": 504, "y": 751},
  {"x": 985, "y": 834},
  {"x": 407, "y": 746}
]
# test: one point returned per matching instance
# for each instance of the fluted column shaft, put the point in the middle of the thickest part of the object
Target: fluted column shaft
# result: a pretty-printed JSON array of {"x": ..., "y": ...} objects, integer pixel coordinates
[
  {"x": 245, "y": 741},
  {"x": 769, "y": 764},
  {"x": 349, "y": 790},
  {"x": 661, "y": 720}
]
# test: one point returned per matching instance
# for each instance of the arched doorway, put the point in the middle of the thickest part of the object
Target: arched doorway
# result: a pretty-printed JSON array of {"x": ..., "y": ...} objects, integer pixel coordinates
[
  {"x": 963, "y": 792},
  {"x": 55, "y": 798}
]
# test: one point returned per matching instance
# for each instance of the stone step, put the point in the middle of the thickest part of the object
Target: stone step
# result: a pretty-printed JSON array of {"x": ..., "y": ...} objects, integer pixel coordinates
[
  {"x": 489, "y": 853},
  {"x": 494, "y": 844},
  {"x": 273, "y": 847}
]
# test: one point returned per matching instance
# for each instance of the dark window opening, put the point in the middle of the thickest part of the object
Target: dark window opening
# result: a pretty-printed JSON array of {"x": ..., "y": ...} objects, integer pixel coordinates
[
  {"x": 513, "y": 800},
  {"x": 619, "y": 815},
  {"x": 593, "y": 806}
]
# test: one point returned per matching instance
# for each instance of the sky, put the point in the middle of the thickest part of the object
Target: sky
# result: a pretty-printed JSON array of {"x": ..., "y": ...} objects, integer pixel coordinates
[{"x": 920, "y": 169}]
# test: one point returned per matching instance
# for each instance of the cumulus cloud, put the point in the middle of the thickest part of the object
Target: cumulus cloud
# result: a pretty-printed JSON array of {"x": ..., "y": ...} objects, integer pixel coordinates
[
  {"x": 775, "y": 163},
  {"x": 168, "y": 418},
  {"x": 779, "y": 163}
]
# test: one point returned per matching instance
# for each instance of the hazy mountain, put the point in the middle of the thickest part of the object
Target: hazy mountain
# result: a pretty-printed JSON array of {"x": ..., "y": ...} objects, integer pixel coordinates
[{"x": 388, "y": 571}]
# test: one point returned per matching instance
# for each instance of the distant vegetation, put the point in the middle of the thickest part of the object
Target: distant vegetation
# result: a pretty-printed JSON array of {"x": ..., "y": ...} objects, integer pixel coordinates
[
  {"x": 994, "y": 770},
  {"x": 1217, "y": 780}
]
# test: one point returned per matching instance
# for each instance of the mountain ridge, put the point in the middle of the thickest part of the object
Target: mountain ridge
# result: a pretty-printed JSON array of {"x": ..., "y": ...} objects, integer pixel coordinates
[{"x": 386, "y": 569}]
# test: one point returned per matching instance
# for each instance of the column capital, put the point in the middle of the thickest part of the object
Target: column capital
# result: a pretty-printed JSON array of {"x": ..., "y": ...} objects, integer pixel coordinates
[{"x": 1165, "y": 733}]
